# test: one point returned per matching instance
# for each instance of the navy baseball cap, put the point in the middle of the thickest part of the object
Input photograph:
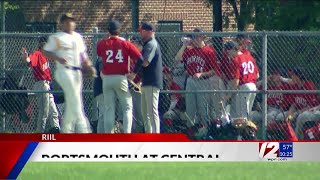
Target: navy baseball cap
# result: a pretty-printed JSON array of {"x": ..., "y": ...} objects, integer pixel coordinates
[
  {"x": 244, "y": 37},
  {"x": 67, "y": 16},
  {"x": 114, "y": 25},
  {"x": 147, "y": 26},
  {"x": 231, "y": 45},
  {"x": 196, "y": 30}
]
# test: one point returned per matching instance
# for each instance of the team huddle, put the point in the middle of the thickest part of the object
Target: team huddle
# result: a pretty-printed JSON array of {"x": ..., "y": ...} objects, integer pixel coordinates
[{"x": 123, "y": 63}]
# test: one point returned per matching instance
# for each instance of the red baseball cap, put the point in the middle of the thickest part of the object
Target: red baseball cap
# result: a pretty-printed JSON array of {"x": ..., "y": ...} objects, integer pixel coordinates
[{"x": 166, "y": 69}]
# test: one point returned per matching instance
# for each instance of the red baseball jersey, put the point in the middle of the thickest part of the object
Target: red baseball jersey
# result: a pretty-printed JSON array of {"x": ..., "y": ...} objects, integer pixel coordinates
[
  {"x": 281, "y": 128},
  {"x": 115, "y": 53},
  {"x": 274, "y": 98},
  {"x": 226, "y": 66},
  {"x": 245, "y": 69},
  {"x": 175, "y": 87},
  {"x": 199, "y": 60},
  {"x": 40, "y": 66},
  {"x": 302, "y": 100},
  {"x": 245, "y": 51}
]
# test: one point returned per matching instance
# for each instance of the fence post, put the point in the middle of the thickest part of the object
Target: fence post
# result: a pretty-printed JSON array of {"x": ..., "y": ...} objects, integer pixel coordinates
[
  {"x": 94, "y": 115},
  {"x": 264, "y": 84},
  {"x": 3, "y": 30},
  {"x": 94, "y": 41}
]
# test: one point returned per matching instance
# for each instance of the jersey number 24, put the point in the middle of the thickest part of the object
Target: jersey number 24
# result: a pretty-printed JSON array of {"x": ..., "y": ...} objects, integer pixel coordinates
[{"x": 110, "y": 58}]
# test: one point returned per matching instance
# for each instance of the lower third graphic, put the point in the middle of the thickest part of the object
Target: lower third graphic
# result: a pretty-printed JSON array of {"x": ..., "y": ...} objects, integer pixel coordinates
[{"x": 275, "y": 151}]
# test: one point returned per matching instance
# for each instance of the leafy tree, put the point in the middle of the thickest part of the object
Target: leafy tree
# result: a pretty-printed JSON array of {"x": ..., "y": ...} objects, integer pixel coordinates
[{"x": 281, "y": 15}]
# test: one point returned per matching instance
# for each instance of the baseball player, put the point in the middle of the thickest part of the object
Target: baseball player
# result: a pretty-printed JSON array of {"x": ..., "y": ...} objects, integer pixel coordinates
[
  {"x": 175, "y": 99},
  {"x": 245, "y": 77},
  {"x": 300, "y": 105},
  {"x": 175, "y": 115},
  {"x": 274, "y": 100},
  {"x": 116, "y": 53},
  {"x": 68, "y": 49},
  {"x": 152, "y": 77},
  {"x": 42, "y": 75},
  {"x": 201, "y": 65}
]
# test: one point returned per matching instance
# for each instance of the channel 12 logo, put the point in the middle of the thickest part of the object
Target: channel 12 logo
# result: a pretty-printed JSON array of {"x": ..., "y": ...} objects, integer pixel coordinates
[{"x": 275, "y": 151}]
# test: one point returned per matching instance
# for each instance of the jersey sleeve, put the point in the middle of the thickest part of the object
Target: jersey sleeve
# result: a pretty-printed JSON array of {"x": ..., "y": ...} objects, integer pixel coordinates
[
  {"x": 236, "y": 68},
  {"x": 133, "y": 52},
  {"x": 34, "y": 57},
  {"x": 149, "y": 51},
  {"x": 212, "y": 61},
  {"x": 256, "y": 66},
  {"x": 309, "y": 85},
  {"x": 184, "y": 56},
  {"x": 52, "y": 44}
]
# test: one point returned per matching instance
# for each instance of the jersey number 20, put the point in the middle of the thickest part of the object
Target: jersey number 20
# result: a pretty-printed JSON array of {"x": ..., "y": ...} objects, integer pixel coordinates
[
  {"x": 110, "y": 56},
  {"x": 248, "y": 67}
]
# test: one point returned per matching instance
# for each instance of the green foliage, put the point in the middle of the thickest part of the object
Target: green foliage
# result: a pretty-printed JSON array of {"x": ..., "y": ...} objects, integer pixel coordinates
[
  {"x": 279, "y": 15},
  {"x": 285, "y": 15},
  {"x": 10, "y": 6}
]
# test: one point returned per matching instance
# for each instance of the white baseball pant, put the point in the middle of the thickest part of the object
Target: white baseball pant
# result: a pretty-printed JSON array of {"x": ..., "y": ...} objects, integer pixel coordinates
[
  {"x": 272, "y": 113},
  {"x": 149, "y": 108},
  {"x": 74, "y": 120},
  {"x": 116, "y": 86},
  {"x": 242, "y": 103},
  {"x": 196, "y": 103},
  {"x": 46, "y": 107},
  {"x": 215, "y": 110}
]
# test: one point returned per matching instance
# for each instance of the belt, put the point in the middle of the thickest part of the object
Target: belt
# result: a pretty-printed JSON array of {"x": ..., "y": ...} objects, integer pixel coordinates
[
  {"x": 114, "y": 74},
  {"x": 73, "y": 68}
]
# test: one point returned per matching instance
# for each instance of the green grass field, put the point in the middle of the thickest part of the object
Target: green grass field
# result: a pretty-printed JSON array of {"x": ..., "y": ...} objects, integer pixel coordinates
[{"x": 168, "y": 171}]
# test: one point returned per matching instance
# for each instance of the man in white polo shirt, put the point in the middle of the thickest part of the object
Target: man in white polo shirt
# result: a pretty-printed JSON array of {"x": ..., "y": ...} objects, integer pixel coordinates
[{"x": 68, "y": 50}]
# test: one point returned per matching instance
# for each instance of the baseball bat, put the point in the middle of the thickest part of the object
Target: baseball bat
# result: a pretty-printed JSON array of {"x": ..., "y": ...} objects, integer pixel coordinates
[
  {"x": 247, "y": 109},
  {"x": 24, "y": 74},
  {"x": 224, "y": 112},
  {"x": 225, "y": 116}
]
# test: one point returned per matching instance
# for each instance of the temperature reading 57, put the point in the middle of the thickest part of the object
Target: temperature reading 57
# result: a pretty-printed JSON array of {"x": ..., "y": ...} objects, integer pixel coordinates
[{"x": 286, "y": 146}]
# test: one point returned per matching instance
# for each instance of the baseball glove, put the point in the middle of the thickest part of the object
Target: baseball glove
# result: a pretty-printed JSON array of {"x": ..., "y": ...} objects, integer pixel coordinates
[
  {"x": 242, "y": 123},
  {"x": 88, "y": 71},
  {"x": 134, "y": 86}
]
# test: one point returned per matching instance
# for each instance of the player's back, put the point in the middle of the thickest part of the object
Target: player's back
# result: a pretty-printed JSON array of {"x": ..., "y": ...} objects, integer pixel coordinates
[
  {"x": 248, "y": 68},
  {"x": 115, "y": 55}
]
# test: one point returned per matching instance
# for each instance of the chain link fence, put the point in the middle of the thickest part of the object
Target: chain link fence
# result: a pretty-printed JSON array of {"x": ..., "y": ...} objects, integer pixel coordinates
[{"x": 286, "y": 95}]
